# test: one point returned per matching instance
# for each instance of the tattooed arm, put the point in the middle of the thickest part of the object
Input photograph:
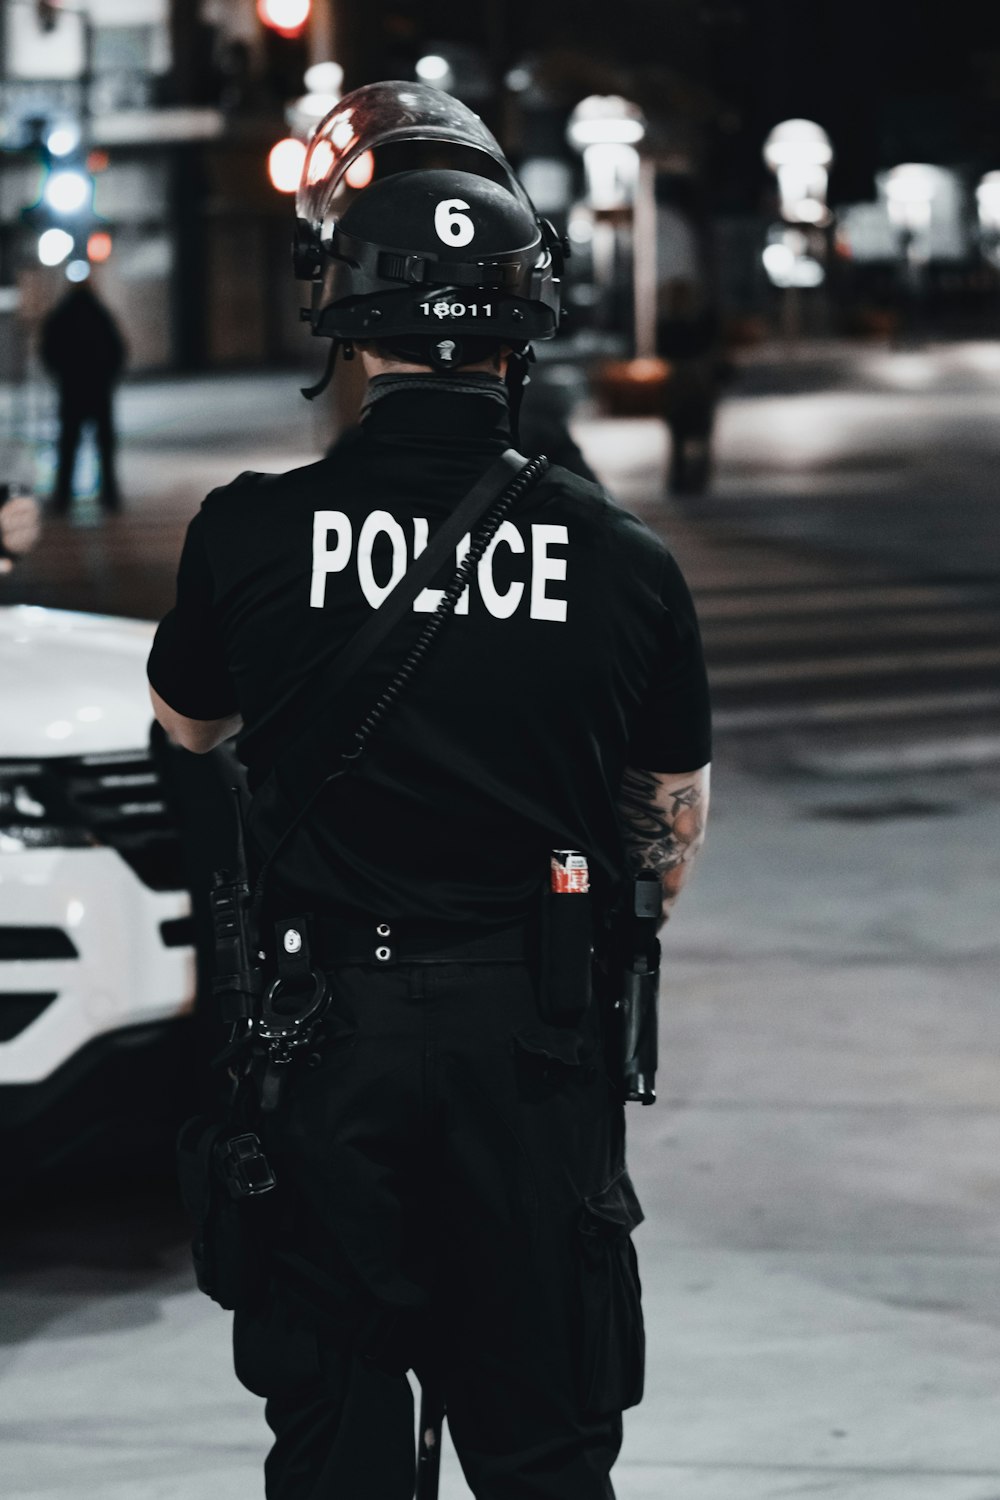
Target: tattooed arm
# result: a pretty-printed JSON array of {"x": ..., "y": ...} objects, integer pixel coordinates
[{"x": 663, "y": 817}]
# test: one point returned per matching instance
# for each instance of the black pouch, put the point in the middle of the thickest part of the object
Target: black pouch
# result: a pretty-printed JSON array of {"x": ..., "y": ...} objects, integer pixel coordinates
[
  {"x": 229, "y": 1246},
  {"x": 613, "y": 1345},
  {"x": 567, "y": 945}
]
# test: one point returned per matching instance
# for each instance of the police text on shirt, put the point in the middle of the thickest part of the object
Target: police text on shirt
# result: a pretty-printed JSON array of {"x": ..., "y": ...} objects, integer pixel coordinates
[{"x": 334, "y": 546}]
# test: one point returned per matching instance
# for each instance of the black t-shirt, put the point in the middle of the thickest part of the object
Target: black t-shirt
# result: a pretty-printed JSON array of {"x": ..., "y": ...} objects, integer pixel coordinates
[{"x": 574, "y": 653}]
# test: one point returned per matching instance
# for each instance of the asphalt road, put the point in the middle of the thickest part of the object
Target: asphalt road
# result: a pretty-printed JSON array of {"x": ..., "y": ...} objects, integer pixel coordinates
[
  {"x": 820, "y": 1175},
  {"x": 886, "y": 452}
]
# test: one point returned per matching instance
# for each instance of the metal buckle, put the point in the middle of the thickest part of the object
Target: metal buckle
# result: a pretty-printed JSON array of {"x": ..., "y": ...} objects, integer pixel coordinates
[
  {"x": 409, "y": 268},
  {"x": 245, "y": 1168}
]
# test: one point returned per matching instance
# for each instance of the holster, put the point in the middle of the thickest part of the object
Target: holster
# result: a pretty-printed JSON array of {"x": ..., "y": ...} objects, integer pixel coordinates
[
  {"x": 222, "y": 1173},
  {"x": 631, "y": 975}
]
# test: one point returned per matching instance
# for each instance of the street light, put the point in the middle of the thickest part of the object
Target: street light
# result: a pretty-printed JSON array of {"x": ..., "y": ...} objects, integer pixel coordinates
[
  {"x": 788, "y": 260},
  {"x": 910, "y": 191},
  {"x": 799, "y": 153},
  {"x": 323, "y": 82},
  {"x": 607, "y": 130},
  {"x": 324, "y": 78},
  {"x": 433, "y": 69},
  {"x": 455, "y": 67}
]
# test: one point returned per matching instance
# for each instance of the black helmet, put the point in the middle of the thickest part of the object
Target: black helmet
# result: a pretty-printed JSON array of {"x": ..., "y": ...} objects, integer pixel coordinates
[{"x": 415, "y": 232}]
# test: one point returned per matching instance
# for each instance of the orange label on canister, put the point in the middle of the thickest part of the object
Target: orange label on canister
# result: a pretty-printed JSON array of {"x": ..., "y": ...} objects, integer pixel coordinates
[{"x": 570, "y": 873}]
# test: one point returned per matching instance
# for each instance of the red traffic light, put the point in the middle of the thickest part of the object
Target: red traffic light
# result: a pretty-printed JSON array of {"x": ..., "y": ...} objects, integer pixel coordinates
[
  {"x": 99, "y": 246},
  {"x": 287, "y": 17}
]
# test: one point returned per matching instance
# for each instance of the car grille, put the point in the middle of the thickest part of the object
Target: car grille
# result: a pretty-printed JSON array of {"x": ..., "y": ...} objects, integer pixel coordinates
[
  {"x": 113, "y": 800},
  {"x": 33, "y": 943},
  {"x": 17, "y": 1011}
]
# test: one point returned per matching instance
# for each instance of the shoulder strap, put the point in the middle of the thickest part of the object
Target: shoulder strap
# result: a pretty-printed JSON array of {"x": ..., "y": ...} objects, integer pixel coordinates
[
  {"x": 461, "y": 522},
  {"x": 304, "y": 768},
  {"x": 333, "y": 671}
]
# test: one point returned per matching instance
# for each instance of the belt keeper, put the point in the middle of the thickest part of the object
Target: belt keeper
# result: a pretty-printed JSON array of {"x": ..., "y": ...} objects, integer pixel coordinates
[{"x": 293, "y": 946}]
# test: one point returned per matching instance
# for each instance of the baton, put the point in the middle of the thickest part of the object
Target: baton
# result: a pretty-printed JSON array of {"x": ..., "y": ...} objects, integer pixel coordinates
[{"x": 429, "y": 1442}]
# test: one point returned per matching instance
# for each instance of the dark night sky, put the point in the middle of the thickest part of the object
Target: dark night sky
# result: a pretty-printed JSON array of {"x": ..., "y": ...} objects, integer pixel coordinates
[{"x": 890, "y": 80}]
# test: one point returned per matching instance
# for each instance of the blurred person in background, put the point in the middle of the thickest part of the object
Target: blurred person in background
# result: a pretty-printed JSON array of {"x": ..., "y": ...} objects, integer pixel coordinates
[
  {"x": 688, "y": 339},
  {"x": 84, "y": 352},
  {"x": 19, "y": 524}
]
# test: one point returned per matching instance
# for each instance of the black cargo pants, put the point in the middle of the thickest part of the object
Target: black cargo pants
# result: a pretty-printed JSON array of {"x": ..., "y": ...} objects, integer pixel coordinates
[{"x": 455, "y": 1200}]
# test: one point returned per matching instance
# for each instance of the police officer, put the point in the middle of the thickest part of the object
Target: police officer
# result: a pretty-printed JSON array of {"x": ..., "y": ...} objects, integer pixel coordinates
[{"x": 450, "y": 1160}]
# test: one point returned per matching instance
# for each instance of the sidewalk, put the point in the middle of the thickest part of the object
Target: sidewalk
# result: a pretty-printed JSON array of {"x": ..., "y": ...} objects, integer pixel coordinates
[
  {"x": 820, "y": 1178},
  {"x": 822, "y": 1175}
]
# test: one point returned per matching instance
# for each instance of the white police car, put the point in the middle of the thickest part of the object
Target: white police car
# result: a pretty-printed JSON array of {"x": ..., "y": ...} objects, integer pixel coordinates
[{"x": 97, "y": 968}]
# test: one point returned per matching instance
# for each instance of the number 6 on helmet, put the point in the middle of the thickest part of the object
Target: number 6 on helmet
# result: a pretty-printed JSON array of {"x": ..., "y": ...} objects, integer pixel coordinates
[{"x": 453, "y": 227}]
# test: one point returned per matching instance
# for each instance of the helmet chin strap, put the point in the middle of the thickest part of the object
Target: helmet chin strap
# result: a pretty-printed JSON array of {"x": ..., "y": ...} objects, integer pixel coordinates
[
  {"x": 312, "y": 391},
  {"x": 516, "y": 379}
]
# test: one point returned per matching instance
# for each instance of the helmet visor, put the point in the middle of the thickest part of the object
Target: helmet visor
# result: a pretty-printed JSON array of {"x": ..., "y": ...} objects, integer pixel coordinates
[{"x": 394, "y": 127}]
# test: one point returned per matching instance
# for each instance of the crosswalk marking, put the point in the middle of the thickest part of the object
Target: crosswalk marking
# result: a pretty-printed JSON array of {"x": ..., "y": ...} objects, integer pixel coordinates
[
  {"x": 743, "y": 602},
  {"x": 816, "y": 653},
  {"x": 819, "y": 711},
  {"x": 880, "y": 665},
  {"x": 863, "y": 669},
  {"x": 841, "y": 629}
]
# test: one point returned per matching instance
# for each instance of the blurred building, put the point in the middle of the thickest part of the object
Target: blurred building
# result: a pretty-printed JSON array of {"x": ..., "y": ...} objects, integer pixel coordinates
[
  {"x": 176, "y": 104},
  {"x": 168, "y": 109}
]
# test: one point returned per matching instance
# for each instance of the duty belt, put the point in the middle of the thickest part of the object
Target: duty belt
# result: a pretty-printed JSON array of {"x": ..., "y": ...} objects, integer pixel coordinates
[{"x": 386, "y": 943}]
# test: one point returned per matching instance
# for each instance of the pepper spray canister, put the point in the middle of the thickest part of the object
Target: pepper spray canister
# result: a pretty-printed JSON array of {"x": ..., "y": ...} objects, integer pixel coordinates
[
  {"x": 570, "y": 873},
  {"x": 567, "y": 939}
]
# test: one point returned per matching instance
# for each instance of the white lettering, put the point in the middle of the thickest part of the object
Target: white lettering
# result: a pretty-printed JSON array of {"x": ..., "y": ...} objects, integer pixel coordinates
[
  {"x": 545, "y": 568},
  {"x": 500, "y": 606},
  {"x": 333, "y": 544},
  {"x": 374, "y": 525},
  {"x": 327, "y": 559}
]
